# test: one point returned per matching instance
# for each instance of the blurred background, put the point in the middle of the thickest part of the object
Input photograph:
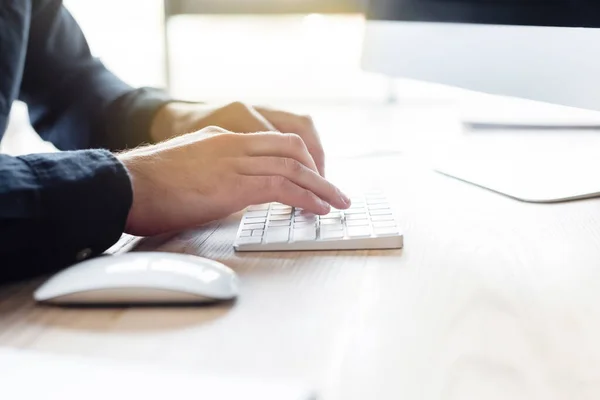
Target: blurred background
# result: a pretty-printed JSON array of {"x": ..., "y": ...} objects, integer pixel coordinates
[
  {"x": 254, "y": 50},
  {"x": 301, "y": 55}
]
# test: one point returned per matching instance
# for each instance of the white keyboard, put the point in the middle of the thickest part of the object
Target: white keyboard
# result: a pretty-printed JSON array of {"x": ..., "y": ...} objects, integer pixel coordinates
[{"x": 370, "y": 223}]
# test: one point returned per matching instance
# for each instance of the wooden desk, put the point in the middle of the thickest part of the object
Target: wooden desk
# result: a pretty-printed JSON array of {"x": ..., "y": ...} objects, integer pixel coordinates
[{"x": 490, "y": 299}]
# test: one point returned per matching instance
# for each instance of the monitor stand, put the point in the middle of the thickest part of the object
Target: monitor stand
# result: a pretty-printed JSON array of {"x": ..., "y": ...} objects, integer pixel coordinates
[{"x": 480, "y": 111}]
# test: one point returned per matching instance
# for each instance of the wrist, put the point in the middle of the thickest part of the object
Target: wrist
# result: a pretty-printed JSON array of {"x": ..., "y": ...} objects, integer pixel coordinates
[
  {"x": 136, "y": 178},
  {"x": 172, "y": 119}
]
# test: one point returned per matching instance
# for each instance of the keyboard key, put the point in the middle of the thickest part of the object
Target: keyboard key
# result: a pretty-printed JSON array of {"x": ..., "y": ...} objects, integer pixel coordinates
[
  {"x": 305, "y": 219},
  {"x": 304, "y": 224},
  {"x": 280, "y": 218},
  {"x": 277, "y": 235},
  {"x": 359, "y": 231},
  {"x": 331, "y": 215},
  {"x": 327, "y": 235},
  {"x": 387, "y": 231},
  {"x": 358, "y": 204},
  {"x": 281, "y": 212},
  {"x": 305, "y": 234},
  {"x": 281, "y": 207},
  {"x": 280, "y": 223},
  {"x": 254, "y": 226},
  {"x": 259, "y": 207},
  {"x": 331, "y": 221},
  {"x": 383, "y": 224},
  {"x": 382, "y": 206},
  {"x": 388, "y": 217},
  {"x": 306, "y": 214},
  {"x": 376, "y": 200},
  {"x": 255, "y": 220},
  {"x": 356, "y": 216},
  {"x": 257, "y": 233},
  {"x": 353, "y": 211},
  {"x": 381, "y": 212},
  {"x": 253, "y": 214},
  {"x": 358, "y": 222},
  {"x": 249, "y": 240},
  {"x": 246, "y": 233},
  {"x": 334, "y": 227}
]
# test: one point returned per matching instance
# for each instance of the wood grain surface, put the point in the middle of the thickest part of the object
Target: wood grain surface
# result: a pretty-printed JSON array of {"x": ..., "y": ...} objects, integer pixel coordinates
[{"x": 491, "y": 298}]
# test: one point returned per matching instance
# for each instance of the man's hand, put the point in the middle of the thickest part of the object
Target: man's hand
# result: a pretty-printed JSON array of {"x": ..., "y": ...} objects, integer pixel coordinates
[
  {"x": 179, "y": 118},
  {"x": 203, "y": 176}
]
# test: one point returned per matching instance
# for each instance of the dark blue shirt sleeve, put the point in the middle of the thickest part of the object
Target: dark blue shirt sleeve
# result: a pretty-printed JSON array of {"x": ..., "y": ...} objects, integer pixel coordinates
[
  {"x": 54, "y": 207},
  {"x": 74, "y": 101}
]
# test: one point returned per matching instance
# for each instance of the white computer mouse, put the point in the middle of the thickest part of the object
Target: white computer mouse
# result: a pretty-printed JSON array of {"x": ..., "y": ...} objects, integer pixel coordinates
[{"x": 141, "y": 278}]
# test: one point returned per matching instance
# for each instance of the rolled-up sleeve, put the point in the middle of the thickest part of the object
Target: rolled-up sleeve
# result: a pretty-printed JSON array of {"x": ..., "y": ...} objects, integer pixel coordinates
[{"x": 56, "y": 208}]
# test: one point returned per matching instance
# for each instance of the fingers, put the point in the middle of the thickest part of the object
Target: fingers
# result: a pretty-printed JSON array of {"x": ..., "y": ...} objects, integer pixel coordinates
[
  {"x": 260, "y": 119},
  {"x": 278, "y": 145},
  {"x": 298, "y": 174},
  {"x": 265, "y": 189},
  {"x": 242, "y": 118},
  {"x": 300, "y": 125}
]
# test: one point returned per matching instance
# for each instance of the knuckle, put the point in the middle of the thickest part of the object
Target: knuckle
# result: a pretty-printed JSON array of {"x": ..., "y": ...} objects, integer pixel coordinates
[
  {"x": 306, "y": 120},
  {"x": 230, "y": 136},
  {"x": 275, "y": 182},
  {"x": 295, "y": 141},
  {"x": 292, "y": 166},
  {"x": 306, "y": 195},
  {"x": 305, "y": 198},
  {"x": 237, "y": 107},
  {"x": 222, "y": 143},
  {"x": 226, "y": 137},
  {"x": 213, "y": 129}
]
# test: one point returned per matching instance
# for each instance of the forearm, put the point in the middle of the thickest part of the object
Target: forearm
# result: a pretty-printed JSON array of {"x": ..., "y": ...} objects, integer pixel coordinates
[{"x": 56, "y": 208}]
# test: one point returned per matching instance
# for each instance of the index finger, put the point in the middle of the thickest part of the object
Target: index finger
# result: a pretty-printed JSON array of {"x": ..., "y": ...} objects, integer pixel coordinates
[{"x": 303, "y": 126}]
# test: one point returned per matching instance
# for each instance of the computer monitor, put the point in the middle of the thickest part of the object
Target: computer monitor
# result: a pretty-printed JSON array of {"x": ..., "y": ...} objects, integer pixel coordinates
[{"x": 545, "y": 50}]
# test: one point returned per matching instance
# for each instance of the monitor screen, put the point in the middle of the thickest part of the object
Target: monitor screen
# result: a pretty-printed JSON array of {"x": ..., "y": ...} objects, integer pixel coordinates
[{"x": 559, "y": 13}]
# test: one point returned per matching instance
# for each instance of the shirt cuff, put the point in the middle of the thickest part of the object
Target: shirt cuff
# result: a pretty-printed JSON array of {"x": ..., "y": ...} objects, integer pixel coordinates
[{"x": 84, "y": 199}]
